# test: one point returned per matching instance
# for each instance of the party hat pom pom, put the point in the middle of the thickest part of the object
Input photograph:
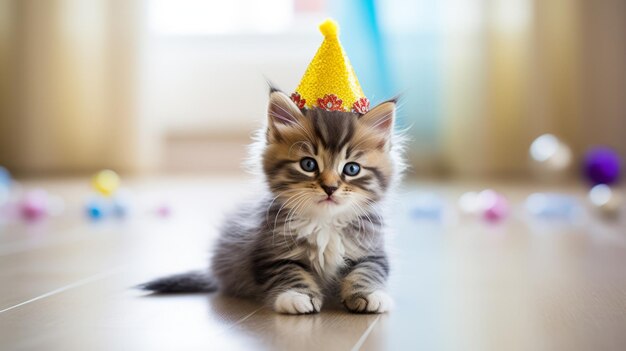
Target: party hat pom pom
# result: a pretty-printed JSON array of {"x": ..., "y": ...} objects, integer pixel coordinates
[{"x": 329, "y": 28}]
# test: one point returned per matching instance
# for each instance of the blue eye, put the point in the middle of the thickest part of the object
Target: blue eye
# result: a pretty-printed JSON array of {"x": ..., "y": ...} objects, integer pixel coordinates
[
  {"x": 308, "y": 164},
  {"x": 351, "y": 169}
]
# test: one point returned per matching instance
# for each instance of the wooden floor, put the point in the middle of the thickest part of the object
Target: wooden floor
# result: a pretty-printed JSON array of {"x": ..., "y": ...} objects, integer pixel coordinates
[{"x": 459, "y": 284}]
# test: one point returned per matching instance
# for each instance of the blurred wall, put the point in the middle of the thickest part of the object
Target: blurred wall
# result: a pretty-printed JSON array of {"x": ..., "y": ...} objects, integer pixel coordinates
[
  {"x": 68, "y": 85},
  {"x": 203, "y": 96},
  {"x": 604, "y": 73}
]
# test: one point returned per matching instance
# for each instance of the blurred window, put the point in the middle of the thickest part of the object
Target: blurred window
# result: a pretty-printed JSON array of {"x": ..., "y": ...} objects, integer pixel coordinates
[{"x": 202, "y": 17}]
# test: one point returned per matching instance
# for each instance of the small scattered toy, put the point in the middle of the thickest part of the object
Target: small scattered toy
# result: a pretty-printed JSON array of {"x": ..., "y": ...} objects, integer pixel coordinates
[
  {"x": 107, "y": 201},
  {"x": 5, "y": 177},
  {"x": 428, "y": 206},
  {"x": 163, "y": 210},
  {"x": 96, "y": 208},
  {"x": 550, "y": 157},
  {"x": 34, "y": 205},
  {"x": 5, "y": 185},
  {"x": 489, "y": 204},
  {"x": 106, "y": 182},
  {"x": 468, "y": 203},
  {"x": 495, "y": 206},
  {"x": 121, "y": 203},
  {"x": 602, "y": 166},
  {"x": 605, "y": 200},
  {"x": 552, "y": 206},
  {"x": 110, "y": 200}
]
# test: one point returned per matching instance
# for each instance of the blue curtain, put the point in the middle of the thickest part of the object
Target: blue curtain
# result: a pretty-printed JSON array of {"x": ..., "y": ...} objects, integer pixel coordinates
[{"x": 395, "y": 48}]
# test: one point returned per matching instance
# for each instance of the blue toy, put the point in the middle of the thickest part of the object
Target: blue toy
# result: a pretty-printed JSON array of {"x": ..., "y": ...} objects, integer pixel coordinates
[
  {"x": 5, "y": 177},
  {"x": 428, "y": 207},
  {"x": 120, "y": 205},
  {"x": 96, "y": 209},
  {"x": 553, "y": 206}
]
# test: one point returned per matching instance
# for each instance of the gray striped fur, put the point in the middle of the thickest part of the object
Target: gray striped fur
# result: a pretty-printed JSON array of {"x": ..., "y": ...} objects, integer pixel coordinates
[{"x": 288, "y": 250}]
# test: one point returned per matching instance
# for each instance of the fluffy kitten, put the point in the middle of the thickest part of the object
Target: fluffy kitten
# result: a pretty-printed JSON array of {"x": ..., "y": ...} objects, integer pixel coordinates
[{"x": 317, "y": 231}]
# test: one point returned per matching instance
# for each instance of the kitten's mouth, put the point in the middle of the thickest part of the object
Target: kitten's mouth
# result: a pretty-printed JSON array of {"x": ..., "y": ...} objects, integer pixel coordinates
[{"x": 329, "y": 200}]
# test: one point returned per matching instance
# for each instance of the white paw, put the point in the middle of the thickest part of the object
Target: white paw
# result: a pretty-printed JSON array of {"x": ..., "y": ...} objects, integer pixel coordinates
[
  {"x": 379, "y": 302},
  {"x": 376, "y": 302},
  {"x": 293, "y": 302}
]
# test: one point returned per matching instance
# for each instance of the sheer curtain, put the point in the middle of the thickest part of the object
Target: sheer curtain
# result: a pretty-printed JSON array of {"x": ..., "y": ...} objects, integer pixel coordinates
[
  {"x": 480, "y": 78},
  {"x": 67, "y": 92},
  {"x": 483, "y": 78}
]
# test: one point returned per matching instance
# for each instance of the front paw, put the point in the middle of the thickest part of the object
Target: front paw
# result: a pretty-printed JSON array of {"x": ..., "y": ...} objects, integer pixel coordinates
[
  {"x": 293, "y": 302},
  {"x": 375, "y": 302}
]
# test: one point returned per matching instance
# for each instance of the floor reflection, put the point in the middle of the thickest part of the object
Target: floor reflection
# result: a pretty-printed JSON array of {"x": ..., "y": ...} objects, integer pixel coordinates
[{"x": 333, "y": 327}]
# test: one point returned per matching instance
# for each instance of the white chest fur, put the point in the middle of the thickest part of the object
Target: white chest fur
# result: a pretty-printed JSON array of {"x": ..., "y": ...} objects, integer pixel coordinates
[{"x": 325, "y": 249}]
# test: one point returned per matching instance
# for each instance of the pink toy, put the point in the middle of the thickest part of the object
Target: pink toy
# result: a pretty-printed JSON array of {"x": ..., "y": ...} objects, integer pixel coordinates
[
  {"x": 34, "y": 205},
  {"x": 495, "y": 206},
  {"x": 163, "y": 211}
]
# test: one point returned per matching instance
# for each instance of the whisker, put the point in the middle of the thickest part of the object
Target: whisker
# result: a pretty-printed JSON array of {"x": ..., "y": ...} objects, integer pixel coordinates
[
  {"x": 269, "y": 207},
  {"x": 290, "y": 215},
  {"x": 360, "y": 224},
  {"x": 282, "y": 206}
]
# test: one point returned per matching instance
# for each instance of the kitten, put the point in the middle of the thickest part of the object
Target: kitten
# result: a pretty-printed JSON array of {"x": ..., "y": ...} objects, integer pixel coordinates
[{"x": 317, "y": 230}]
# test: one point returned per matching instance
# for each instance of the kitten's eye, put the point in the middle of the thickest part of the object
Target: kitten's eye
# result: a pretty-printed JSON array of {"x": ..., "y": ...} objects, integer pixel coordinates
[
  {"x": 308, "y": 164},
  {"x": 351, "y": 169}
]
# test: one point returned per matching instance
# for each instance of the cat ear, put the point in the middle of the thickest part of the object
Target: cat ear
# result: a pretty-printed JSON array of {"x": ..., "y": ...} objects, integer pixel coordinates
[
  {"x": 381, "y": 118},
  {"x": 282, "y": 113}
]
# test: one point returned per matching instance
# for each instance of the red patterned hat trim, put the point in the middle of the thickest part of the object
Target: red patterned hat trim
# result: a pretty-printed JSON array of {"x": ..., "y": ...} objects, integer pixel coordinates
[{"x": 330, "y": 102}]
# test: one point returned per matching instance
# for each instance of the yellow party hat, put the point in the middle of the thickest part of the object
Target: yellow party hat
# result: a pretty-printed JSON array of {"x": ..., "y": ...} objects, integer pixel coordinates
[{"x": 330, "y": 82}]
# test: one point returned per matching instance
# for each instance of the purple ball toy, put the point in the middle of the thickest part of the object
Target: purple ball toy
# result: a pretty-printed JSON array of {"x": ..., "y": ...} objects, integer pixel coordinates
[{"x": 602, "y": 165}]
